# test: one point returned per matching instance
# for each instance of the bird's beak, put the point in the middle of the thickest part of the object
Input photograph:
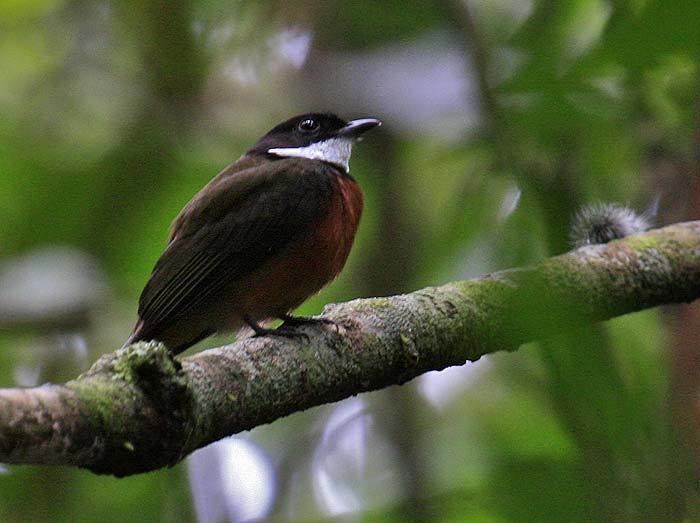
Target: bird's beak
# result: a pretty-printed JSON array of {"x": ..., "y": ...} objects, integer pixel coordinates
[{"x": 354, "y": 128}]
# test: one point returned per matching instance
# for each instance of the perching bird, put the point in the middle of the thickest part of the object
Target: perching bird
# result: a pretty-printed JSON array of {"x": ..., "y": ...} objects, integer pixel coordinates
[{"x": 266, "y": 233}]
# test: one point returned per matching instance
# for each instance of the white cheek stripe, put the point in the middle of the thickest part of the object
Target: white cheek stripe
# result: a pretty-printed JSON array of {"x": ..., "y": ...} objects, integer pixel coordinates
[{"x": 334, "y": 150}]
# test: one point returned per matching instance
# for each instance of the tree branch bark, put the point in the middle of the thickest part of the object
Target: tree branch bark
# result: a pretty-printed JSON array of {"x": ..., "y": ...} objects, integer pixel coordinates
[{"x": 139, "y": 408}]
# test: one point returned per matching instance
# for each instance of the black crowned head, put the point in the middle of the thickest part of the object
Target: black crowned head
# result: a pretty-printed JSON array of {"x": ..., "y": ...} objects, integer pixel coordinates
[{"x": 314, "y": 136}]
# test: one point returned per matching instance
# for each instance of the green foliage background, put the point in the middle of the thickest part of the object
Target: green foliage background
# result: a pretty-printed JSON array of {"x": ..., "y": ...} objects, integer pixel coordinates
[{"x": 115, "y": 113}]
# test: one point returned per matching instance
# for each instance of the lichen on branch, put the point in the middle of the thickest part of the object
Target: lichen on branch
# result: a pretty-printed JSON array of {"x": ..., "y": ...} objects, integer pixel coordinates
[{"x": 140, "y": 408}]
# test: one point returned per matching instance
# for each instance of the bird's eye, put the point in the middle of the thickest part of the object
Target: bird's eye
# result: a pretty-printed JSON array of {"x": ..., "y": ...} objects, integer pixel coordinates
[{"x": 308, "y": 125}]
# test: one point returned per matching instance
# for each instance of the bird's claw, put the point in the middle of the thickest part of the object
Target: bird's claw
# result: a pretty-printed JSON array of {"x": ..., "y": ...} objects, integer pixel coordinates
[{"x": 295, "y": 321}]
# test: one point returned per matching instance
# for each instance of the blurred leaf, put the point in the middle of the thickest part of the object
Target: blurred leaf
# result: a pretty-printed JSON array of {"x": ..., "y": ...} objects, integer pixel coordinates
[
  {"x": 366, "y": 23},
  {"x": 14, "y": 10},
  {"x": 539, "y": 490}
]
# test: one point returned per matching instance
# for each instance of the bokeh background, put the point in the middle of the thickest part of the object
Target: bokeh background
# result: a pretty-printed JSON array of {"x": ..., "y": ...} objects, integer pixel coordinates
[{"x": 501, "y": 118}]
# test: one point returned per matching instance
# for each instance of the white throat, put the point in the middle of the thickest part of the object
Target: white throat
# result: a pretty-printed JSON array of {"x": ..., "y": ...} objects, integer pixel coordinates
[{"x": 334, "y": 150}]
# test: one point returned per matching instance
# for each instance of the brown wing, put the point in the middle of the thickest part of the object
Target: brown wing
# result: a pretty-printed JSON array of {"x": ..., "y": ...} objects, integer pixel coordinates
[{"x": 229, "y": 229}]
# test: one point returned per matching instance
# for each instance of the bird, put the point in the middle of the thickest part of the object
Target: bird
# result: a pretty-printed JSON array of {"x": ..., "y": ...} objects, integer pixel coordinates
[{"x": 269, "y": 231}]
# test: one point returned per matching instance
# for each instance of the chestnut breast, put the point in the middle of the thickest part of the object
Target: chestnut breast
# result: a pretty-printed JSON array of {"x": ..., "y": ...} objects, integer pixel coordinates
[{"x": 306, "y": 265}]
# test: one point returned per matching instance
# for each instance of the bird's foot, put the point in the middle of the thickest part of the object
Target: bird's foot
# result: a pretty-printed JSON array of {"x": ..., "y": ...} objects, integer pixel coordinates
[
  {"x": 280, "y": 331},
  {"x": 295, "y": 321}
]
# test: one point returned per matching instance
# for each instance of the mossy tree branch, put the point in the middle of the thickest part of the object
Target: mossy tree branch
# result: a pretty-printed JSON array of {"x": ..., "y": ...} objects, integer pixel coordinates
[{"x": 140, "y": 409}]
